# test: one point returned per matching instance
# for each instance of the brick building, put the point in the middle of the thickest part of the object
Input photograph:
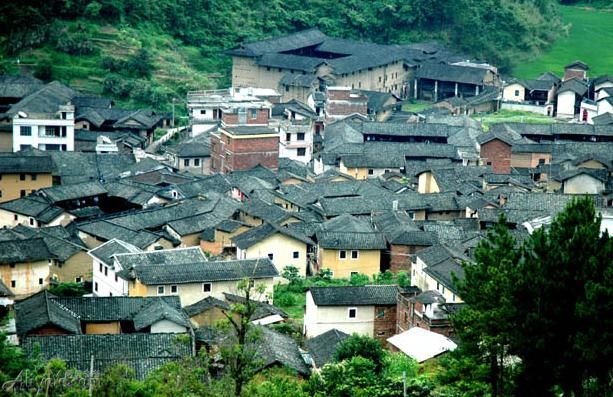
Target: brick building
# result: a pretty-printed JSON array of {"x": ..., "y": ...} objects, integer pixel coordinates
[
  {"x": 426, "y": 310},
  {"x": 496, "y": 151},
  {"x": 244, "y": 147}
]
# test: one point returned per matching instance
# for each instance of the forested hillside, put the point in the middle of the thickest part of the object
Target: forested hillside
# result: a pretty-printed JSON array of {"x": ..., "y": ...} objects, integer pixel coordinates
[{"x": 183, "y": 39}]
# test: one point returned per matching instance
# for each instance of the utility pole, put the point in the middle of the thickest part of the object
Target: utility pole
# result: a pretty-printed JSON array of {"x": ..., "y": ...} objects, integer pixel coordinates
[{"x": 173, "y": 112}]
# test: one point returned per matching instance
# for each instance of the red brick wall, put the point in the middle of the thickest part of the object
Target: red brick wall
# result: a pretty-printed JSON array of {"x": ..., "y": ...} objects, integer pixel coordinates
[
  {"x": 342, "y": 95},
  {"x": 400, "y": 257},
  {"x": 232, "y": 118},
  {"x": 571, "y": 73},
  {"x": 243, "y": 154},
  {"x": 385, "y": 326},
  {"x": 499, "y": 154}
]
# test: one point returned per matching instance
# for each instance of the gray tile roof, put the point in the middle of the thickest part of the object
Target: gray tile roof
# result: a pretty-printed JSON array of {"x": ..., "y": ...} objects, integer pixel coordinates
[
  {"x": 262, "y": 309},
  {"x": 45, "y": 100},
  {"x": 443, "y": 264},
  {"x": 21, "y": 251},
  {"x": 323, "y": 347},
  {"x": 106, "y": 251},
  {"x": 298, "y": 80},
  {"x": 18, "y": 86},
  {"x": 167, "y": 257},
  {"x": 36, "y": 207},
  {"x": 24, "y": 162},
  {"x": 142, "y": 352},
  {"x": 205, "y": 304},
  {"x": 274, "y": 348},
  {"x": 574, "y": 85},
  {"x": 59, "y": 242},
  {"x": 452, "y": 73},
  {"x": 72, "y": 192},
  {"x": 104, "y": 230},
  {"x": 40, "y": 310},
  {"x": 367, "y": 295},
  {"x": 158, "y": 310},
  {"x": 205, "y": 271}
]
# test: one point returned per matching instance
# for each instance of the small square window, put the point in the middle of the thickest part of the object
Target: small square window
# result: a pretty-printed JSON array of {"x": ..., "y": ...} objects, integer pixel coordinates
[
  {"x": 78, "y": 279},
  {"x": 206, "y": 287},
  {"x": 354, "y": 254},
  {"x": 196, "y": 162},
  {"x": 22, "y": 177},
  {"x": 160, "y": 290},
  {"x": 22, "y": 193},
  {"x": 40, "y": 281},
  {"x": 186, "y": 162},
  {"x": 254, "y": 114},
  {"x": 352, "y": 312},
  {"x": 516, "y": 92},
  {"x": 31, "y": 221},
  {"x": 353, "y": 274},
  {"x": 174, "y": 289},
  {"x": 296, "y": 255},
  {"x": 342, "y": 254},
  {"x": 371, "y": 171},
  {"x": 13, "y": 283},
  {"x": 301, "y": 152},
  {"x": 25, "y": 130},
  {"x": 381, "y": 313},
  {"x": 301, "y": 136},
  {"x": 271, "y": 256},
  {"x": 288, "y": 137},
  {"x": 33, "y": 177}
]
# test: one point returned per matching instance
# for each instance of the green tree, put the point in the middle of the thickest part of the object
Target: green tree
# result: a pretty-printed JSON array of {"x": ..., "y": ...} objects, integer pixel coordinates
[
  {"x": 485, "y": 324},
  {"x": 118, "y": 381},
  {"x": 361, "y": 346},
  {"x": 239, "y": 352}
]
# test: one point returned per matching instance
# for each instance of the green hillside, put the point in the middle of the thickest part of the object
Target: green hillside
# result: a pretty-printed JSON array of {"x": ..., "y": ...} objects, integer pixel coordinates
[{"x": 589, "y": 38}]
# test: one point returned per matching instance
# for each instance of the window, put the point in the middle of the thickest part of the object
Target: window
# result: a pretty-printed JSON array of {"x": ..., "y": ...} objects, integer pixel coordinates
[
  {"x": 116, "y": 278},
  {"x": 196, "y": 162},
  {"x": 77, "y": 279},
  {"x": 110, "y": 294},
  {"x": 342, "y": 254},
  {"x": 13, "y": 283},
  {"x": 516, "y": 92},
  {"x": 100, "y": 267},
  {"x": 301, "y": 136},
  {"x": 251, "y": 283},
  {"x": 202, "y": 111},
  {"x": 354, "y": 254},
  {"x": 32, "y": 222},
  {"x": 271, "y": 256},
  {"x": 96, "y": 286},
  {"x": 106, "y": 271},
  {"x": 206, "y": 287},
  {"x": 22, "y": 193},
  {"x": 301, "y": 152},
  {"x": 541, "y": 161},
  {"x": 16, "y": 217},
  {"x": 40, "y": 281},
  {"x": 254, "y": 114},
  {"x": 287, "y": 88},
  {"x": 33, "y": 176},
  {"x": 296, "y": 255},
  {"x": 352, "y": 312},
  {"x": 288, "y": 137},
  {"x": 381, "y": 333},
  {"x": 380, "y": 313},
  {"x": 22, "y": 177},
  {"x": 25, "y": 130},
  {"x": 186, "y": 162},
  {"x": 371, "y": 171},
  {"x": 174, "y": 289},
  {"x": 353, "y": 274},
  {"x": 160, "y": 290}
]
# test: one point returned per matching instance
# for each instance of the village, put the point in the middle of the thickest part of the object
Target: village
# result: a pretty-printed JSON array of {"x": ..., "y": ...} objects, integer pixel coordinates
[{"x": 315, "y": 165}]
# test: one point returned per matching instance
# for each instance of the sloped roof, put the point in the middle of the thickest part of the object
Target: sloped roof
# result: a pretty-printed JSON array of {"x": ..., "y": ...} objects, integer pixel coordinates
[
  {"x": 158, "y": 310},
  {"x": 262, "y": 309},
  {"x": 140, "y": 351},
  {"x": 106, "y": 251},
  {"x": 421, "y": 344},
  {"x": 367, "y": 295},
  {"x": 23, "y": 162},
  {"x": 21, "y": 251},
  {"x": 298, "y": 80},
  {"x": 323, "y": 347},
  {"x": 274, "y": 348},
  {"x": 40, "y": 310},
  {"x": 4, "y": 290},
  {"x": 603, "y": 119},
  {"x": 18, "y": 86},
  {"x": 36, "y": 207},
  {"x": 453, "y": 73},
  {"x": 45, "y": 100},
  {"x": 71, "y": 192},
  {"x": 167, "y": 257},
  {"x": 205, "y": 271},
  {"x": 574, "y": 85},
  {"x": 577, "y": 65},
  {"x": 205, "y": 304},
  {"x": 59, "y": 242}
]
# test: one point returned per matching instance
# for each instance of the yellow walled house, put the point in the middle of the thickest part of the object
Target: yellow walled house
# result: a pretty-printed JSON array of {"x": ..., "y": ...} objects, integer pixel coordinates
[
  {"x": 24, "y": 265},
  {"x": 22, "y": 175},
  {"x": 187, "y": 273},
  {"x": 348, "y": 245},
  {"x": 215, "y": 240},
  {"x": 283, "y": 245}
]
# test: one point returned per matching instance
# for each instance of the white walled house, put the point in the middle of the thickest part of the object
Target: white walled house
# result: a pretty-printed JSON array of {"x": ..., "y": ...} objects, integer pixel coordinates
[
  {"x": 433, "y": 270},
  {"x": 44, "y": 119},
  {"x": 105, "y": 272},
  {"x": 570, "y": 95}
]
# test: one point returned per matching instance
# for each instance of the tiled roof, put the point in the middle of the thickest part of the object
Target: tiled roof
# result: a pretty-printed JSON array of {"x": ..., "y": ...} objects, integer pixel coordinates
[
  {"x": 36, "y": 207},
  {"x": 40, "y": 310},
  {"x": 574, "y": 85},
  {"x": 142, "y": 352},
  {"x": 72, "y": 192},
  {"x": 205, "y": 271},
  {"x": 158, "y": 310},
  {"x": 274, "y": 348},
  {"x": 367, "y": 295},
  {"x": 262, "y": 309},
  {"x": 59, "y": 242},
  {"x": 167, "y": 257},
  {"x": 21, "y": 251},
  {"x": 205, "y": 304},
  {"x": 23, "y": 162},
  {"x": 323, "y": 347},
  {"x": 45, "y": 100},
  {"x": 452, "y": 73}
]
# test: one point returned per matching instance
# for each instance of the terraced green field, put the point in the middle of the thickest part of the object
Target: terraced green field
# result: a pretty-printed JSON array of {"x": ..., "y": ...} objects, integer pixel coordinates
[{"x": 589, "y": 38}]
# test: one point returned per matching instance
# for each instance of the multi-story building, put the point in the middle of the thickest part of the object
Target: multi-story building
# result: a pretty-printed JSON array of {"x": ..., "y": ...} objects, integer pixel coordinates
[
  {"x": 44, "y": 119},
  {"x": 23, "y": 173}
]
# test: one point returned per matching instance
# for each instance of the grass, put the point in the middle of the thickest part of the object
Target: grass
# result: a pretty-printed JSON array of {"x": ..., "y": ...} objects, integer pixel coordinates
[
  {"x": 416, "y": 106},
  {"x": 589, "y": 39},
  {"x": 508, "y": 116}
]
